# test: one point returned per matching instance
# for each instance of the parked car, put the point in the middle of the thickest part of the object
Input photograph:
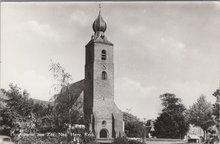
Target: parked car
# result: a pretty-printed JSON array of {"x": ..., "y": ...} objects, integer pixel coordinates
[{"x": 5, "y": 140}]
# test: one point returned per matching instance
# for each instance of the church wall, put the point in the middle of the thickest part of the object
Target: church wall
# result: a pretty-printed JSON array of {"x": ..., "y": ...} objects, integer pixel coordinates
[
  {"x": 118, "y": 124},
  {"x": 103, "y": 89},
  {"x": 107, "y": 126},
  {"x": 88, "y": 93},
  {"x": 99, "y": 90}
]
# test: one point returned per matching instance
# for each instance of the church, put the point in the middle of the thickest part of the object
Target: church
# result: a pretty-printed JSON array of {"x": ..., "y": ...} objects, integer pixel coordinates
[{"x": 96, "y": 90}]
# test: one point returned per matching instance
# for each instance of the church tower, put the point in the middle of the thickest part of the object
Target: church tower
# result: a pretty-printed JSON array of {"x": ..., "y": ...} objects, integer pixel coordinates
[{"x": 103, "y": 117}]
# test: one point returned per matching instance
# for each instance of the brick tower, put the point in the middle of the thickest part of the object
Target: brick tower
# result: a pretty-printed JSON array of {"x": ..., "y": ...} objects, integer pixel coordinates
[{"x": 103, "y": 117}]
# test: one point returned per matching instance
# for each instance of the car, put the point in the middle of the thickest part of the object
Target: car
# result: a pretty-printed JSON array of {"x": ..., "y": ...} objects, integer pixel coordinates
[{"x": 5, "y": 140}]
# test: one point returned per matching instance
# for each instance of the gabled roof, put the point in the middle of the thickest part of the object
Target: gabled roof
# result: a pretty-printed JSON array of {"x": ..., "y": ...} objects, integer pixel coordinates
[
  {"x": 75, "y": 90},
  {"x": 40, "y": 101}
]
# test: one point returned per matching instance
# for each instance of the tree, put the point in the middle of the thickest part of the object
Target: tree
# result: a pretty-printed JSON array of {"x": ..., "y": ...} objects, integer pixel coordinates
[
  {"x": 128, "y": 117},
  {"x": 215, "y": 130},
  {"x": 8, "y": 119},
  {"x": 18, "y": 100},
  {"x": 171, "y": 122},
  {"x": 39, "y": 110},
  {"x": 21, "y": 110},
  {"x": 63, "y": 110},
  {"x": 133, "y": 126},
  {"x": 18, "y": 108},
  {"x": 200, "y": 114},
  {"x": 166, "y": 126},
  {"x": 171, "y": 103},
  {"x": 216, "y": 109}
]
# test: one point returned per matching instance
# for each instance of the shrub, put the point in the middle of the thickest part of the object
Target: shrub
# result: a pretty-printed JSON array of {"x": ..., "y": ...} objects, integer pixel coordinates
[
  {"x": 124, "y": 140},
  {"x": 40, "y": 140},
  {"x": 86, "y": 139},
  {"x": 121, "y": 140},
  {"x": 134, "y": 142}
]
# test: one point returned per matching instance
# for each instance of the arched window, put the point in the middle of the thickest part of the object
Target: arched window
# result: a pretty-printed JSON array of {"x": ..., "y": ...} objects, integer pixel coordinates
[
  {"x": 103, "y": 54},
  {"x": 104, "y": 122},
  {"x": 103, "y": 133},
  {"x": 104, "y": 75}
]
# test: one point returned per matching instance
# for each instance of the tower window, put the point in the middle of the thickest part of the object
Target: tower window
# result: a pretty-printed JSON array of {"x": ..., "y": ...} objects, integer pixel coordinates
[
  {"x": 104, "y": 122},
  {"x": 103, "y": 54},
  {"x": 104, "y": 75}
]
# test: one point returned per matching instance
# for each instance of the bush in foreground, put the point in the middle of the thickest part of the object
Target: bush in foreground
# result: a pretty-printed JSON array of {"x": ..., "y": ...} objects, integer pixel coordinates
[
  {"x": 41, "y": 140},
  {"x": 64, "y": 140},
  {"x": 54, "y": 140},
  {"x": 124, "y": 140}
]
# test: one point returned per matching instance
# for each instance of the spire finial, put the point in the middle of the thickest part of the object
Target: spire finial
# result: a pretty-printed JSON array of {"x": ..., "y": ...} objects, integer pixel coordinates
[
  {"x": 99, "y": 24},
  {"x": 100, "y": 7}
]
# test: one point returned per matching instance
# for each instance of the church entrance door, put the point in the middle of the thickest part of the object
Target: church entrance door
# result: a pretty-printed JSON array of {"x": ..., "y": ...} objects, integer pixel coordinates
[{"x": 104, "y": 133}]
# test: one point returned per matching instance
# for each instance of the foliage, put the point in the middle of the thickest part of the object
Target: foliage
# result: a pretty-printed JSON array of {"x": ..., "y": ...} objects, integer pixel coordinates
[
  {"x": 166, "y": 126},
  {"x": 87, "y": 139},
  {"x": 216, "y": 110},
  {"x": 133, "y": 126},
  {"x": 18, "y": 100},
  {"x": 42, "y": 140},
  {"x": 135, "y": 142},
  {"x": 39, "y": 110},
  {"x": 171, "y": 103},
  {"x": 200, "y": 114},
  {"x": 121, "y": 140},
  {"x": 214, "y": 136},
  {"x": 134, "y": 129},
  {"x": 20, "y": 111},
  {"x": 124, "y": 140},
  {"x": 128, "y": 117},
  {"x": 8, "y": 120},
  {"x": 18, "y": 108},
  {"x": 63, "y": 111},
  {"x": 60, "y": 74},
  {"x": 171, "y": 122},
  {"x": 55, "y": 140},
  {"x": 216, "y": 113}
]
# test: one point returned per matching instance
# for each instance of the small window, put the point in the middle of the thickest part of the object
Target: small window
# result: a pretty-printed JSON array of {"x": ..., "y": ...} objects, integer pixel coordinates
[
  {"x": 104, "y": 122},
  {"x": 104, "y": 75},
  {"x": 103, "y": 54}
]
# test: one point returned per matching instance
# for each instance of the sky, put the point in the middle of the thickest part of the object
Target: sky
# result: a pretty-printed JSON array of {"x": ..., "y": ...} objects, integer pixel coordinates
[{"x": 159, "y": 47}]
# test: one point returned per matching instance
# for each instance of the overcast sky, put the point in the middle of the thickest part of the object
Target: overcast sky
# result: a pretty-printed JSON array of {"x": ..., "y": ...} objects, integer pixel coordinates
[{"x": 159, "y": 47}]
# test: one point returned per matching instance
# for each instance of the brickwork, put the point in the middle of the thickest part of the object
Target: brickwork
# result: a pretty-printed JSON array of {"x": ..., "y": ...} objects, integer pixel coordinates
[
  {"x": 99, "y": 103},
  {"x": 101, "y": 113}
]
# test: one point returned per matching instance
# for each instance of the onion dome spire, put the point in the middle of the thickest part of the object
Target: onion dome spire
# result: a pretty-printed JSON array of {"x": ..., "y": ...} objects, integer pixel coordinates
[{"x": 99, "y": 25}]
